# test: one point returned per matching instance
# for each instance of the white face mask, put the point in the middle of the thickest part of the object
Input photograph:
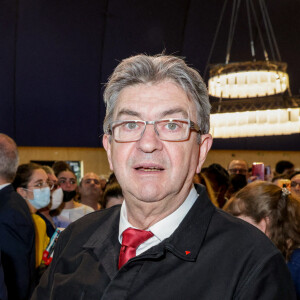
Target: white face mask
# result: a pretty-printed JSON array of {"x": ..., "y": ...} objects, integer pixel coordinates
[{"x": 56, "y": 198}]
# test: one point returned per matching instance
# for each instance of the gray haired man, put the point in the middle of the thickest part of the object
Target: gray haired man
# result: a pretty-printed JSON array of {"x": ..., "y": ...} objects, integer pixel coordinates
[
  {"x": 16, "y": 228},
  {"x": 166, "y": 241}
]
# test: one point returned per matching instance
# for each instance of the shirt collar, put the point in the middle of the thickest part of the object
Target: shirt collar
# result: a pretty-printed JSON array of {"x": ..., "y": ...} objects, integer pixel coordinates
[
  {"x": 165, "y": 227},
  {"x": 2, "y": 186}
]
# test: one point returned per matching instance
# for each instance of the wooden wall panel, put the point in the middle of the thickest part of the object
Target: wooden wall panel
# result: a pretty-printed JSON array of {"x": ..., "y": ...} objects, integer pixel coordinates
[{"x": 95, "y": 160}]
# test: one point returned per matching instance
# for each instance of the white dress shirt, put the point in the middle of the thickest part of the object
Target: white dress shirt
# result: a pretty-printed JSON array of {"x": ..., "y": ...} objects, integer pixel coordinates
[
  {"x": 162, "y": 229},
  {"x": 2, "y": 186}
]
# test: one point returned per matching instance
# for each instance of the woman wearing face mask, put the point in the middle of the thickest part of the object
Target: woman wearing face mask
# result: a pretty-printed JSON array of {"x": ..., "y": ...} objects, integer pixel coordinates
[
  {"x": 56, "y": 199},
  {"x": 31, "y": 182},
  {"x": 71, "y": 209}
]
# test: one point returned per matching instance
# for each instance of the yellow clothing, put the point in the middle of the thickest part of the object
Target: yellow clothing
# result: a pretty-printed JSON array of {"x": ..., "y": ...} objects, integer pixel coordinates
[{"x": 41, "y": 238}]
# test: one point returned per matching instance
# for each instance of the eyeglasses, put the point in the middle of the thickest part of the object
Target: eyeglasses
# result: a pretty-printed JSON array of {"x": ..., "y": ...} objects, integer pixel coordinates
[
  {"x": 53, "y": 185},
  {"x": 238, "y": 171},
  {"x": 89, "y": 181},
  {"x": 172, "y": 130},
  {"x": 295, "y": 183},
  {"x": 71, "y": 181}
]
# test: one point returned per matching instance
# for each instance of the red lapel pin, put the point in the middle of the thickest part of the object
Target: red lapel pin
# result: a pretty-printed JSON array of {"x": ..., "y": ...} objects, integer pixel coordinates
[{"x": 187, "y": 252}]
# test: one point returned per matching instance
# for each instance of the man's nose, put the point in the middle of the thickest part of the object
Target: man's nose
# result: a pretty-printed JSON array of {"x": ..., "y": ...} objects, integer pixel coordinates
[{"x": 150, "y": 141}]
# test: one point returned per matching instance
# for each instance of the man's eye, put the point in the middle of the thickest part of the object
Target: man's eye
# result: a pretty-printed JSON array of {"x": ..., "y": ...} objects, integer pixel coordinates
[
  {"x": 172, "y": 126},
  {"x": 131, "y": 125}
]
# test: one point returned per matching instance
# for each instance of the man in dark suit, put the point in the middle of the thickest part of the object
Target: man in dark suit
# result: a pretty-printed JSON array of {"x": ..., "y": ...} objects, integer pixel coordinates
[
  {"x": 167, "y": 240},
  {"x": 16, "y": 228}
]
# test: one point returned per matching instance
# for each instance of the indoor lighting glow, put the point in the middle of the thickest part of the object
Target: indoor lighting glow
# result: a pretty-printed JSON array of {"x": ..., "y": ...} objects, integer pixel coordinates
[
  {"x": 248, "y": 80},
  {"x": 255, "y": 123}
]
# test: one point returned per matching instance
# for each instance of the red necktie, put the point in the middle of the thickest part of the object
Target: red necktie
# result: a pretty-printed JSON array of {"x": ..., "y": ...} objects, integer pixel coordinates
[{"x": 132, "y": 238}]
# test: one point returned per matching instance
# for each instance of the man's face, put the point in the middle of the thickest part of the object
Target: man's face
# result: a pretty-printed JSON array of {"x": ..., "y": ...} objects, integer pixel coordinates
[
  {"x": 150, "y": 169},
  {"x": 295, "y": 185},
  {"x": 90, "y": 185},
  {"x": 238, "y": 167}
]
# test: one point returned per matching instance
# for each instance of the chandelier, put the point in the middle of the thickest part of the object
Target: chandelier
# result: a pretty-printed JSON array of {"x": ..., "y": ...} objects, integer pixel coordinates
[
  {"x": 248, "y": 79},
  {"x": 251, "y": 98}
]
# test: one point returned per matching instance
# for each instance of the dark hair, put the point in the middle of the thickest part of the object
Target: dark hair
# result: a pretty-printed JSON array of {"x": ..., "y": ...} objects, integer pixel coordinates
[
  {"x": 111, "y": 190},
  {"x": 294, "y": 174},
  {"x": 61, "y": 166},
  {"x": 282, "y": 165},
  {"x": 112, "y": 178},
  {"x": 282, "y": 176},
  {"x": 220, "y": 174},
  {"x": 24, "y": 173},
  {"x": 259, "y": 200},
  {"x": 236, "y": 183}
]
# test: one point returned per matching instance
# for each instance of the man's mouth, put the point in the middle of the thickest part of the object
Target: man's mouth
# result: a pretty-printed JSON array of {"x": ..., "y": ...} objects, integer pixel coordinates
[{"x": 149, "y": 169}]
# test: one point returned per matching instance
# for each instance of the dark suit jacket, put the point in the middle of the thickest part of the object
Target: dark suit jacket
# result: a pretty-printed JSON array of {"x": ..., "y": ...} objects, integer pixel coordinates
[
  {"x": 16, "y": 244},
  {"x": 3, "y": 290},
  {"x": 211, "y": 255}
]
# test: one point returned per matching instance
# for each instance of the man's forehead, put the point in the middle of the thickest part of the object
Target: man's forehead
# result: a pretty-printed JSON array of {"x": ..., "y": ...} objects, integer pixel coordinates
[
  {"x": 296, "y": 177},
  {"x": 91, "y": 176},
  {"x": 162, "y": 99},
  {"x": 238, "y": 164}
]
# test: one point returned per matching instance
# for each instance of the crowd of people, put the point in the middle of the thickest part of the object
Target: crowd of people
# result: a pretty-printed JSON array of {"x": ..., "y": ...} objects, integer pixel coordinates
[
  {"x": 175, "y": 221},
  {"x": 35, "y": 200}
]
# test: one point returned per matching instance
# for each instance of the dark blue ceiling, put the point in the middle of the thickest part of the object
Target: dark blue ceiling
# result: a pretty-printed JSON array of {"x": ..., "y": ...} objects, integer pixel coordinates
[{"x": 56, "y": 55}]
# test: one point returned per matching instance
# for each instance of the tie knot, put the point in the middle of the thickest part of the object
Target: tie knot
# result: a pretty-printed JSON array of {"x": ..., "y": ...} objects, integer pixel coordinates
[{"x": 135, "y": 237}]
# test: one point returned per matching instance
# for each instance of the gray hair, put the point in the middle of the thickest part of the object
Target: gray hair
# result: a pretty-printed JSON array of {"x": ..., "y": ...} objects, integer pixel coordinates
[
  {"x": 48, "y": 170},
  {"x": 9, "y": 158},
  {"x": 142, "y": 69}
]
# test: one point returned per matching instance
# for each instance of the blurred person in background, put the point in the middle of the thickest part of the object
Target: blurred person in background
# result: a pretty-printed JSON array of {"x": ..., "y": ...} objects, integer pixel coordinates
[
  {"x": 31, "y": 182},
  {"x": 90, "y": 190},
  {"x": 219, "y": 180},
  {"x": 238, "y": 166},
  {"x": 56, "y": 198},
  {"x": 70, "y": 209},
  {"x": 295, "y": 184},
  {"x": 201, "y": 178},
  {"x": 276, "y": 213},
  {"x": 236, "y": 182},
  {"x": 113, "y": 195},
  {"x": 17, "y": 237},
  {"x": 284, "y": 167}
]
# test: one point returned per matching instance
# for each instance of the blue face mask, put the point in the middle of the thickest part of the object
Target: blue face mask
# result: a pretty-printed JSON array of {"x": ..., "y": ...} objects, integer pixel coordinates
[{"x": 41, "y": 197}]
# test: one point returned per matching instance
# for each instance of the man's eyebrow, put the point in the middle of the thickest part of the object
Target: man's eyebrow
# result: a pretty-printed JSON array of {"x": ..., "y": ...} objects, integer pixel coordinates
[
  {"x": 163, "y": 114},
  {"x": 174, "y": 111},
  {"x": 128, "y": 112}
]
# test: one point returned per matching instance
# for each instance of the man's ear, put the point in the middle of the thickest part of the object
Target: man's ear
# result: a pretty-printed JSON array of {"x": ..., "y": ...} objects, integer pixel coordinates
[
  {"x": 22, "y": 192},
  {"x": 107, "y": 146},
  {"x": 205, "y": 144}
]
